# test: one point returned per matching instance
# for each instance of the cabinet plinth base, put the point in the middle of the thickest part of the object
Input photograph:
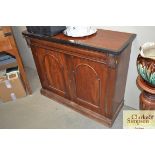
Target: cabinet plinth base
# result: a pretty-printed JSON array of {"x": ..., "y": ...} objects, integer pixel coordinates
[{"x": 100, "y": 118}]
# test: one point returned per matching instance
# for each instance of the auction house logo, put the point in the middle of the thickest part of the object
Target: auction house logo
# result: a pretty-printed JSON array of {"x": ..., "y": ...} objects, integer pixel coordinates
[{"x": 138, "y": 119}]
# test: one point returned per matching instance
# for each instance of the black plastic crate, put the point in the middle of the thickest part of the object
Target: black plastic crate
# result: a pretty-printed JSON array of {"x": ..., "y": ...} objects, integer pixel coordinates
[{"x": 46, "y": 30}]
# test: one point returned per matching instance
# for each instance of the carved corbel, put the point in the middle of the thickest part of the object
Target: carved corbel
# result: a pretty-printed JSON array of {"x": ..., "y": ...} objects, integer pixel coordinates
[{"x": 112, "y": 61}]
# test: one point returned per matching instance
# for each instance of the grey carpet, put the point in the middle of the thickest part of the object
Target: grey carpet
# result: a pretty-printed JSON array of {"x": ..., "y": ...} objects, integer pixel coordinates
[{"x": 38, "y": 112}]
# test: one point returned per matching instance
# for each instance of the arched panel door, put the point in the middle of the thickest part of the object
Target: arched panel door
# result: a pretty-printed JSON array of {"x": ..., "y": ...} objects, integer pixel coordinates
[
  {"x": 89, "y": 84},
  {"x": 52, "y": 71}
]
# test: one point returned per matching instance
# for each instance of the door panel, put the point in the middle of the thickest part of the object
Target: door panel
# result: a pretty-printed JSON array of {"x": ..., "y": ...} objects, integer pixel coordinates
[
  {"x": 89, "y": 81},
  {"x": 92, "y": 95},
  {"x": 54, "y": 73},
  {"x": 51, "y": 70}
]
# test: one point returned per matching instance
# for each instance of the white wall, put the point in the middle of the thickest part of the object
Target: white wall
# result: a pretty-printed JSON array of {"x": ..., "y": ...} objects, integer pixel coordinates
[
  {"x": 24, "y": 50},
  {"x": 144, "y": 34}
]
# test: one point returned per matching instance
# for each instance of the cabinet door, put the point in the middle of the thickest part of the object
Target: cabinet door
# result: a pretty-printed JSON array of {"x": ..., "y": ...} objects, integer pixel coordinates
[
  {"x": 89, "y": 83},
  {"x": 51, "y": 67}
]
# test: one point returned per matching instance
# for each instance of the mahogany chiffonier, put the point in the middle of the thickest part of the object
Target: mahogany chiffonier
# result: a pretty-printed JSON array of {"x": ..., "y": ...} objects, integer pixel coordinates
[{"x": 87, "y": 74}]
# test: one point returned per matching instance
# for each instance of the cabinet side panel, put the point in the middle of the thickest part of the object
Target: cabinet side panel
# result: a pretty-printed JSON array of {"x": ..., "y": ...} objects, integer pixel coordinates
[{"x": 122, "y": 71}]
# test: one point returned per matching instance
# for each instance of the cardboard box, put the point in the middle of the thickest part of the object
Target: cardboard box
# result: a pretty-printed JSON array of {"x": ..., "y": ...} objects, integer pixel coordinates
[{"x": 11, "y": 87}]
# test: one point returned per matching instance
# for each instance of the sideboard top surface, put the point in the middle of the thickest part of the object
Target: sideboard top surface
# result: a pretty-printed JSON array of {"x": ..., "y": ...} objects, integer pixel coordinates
[{"x": 103, "y": 41}]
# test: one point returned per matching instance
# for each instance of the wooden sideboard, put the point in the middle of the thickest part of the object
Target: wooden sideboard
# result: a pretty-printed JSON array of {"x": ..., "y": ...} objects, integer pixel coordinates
[{"x": 87, "y": 74}]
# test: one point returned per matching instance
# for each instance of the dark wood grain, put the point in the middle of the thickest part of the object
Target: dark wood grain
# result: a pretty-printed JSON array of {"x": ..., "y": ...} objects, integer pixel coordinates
[{"x": 86, "y": 80}]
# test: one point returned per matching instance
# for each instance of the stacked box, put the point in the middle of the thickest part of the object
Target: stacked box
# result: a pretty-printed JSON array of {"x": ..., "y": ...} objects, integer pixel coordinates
[{"x": 11, "y": 87}]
